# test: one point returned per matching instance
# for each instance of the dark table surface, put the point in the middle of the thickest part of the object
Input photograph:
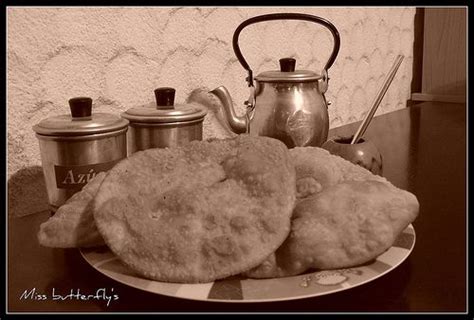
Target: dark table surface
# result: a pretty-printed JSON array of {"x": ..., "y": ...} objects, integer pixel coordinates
[{"x": 424, "y": 151}]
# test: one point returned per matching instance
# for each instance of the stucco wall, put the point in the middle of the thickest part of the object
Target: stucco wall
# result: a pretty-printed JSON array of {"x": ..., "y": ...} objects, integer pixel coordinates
[{"x": 118, "y": 56}]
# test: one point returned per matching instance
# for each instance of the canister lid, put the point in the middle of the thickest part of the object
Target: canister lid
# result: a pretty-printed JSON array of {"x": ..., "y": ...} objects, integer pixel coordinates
[
  {"x": 80, "y": 122},
  {"x": 287, "y": 73},
  {"x": 164, "y": 110}
]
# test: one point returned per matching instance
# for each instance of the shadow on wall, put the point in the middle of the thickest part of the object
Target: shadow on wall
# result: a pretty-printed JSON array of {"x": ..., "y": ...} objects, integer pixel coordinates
[{"x": 27, "y": 192}]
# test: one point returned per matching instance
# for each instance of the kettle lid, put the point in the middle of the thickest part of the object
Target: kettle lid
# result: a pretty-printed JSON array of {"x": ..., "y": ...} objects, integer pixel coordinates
[
  {"x": 164, "y": 110},
  {"x": 287, "y": 73}
]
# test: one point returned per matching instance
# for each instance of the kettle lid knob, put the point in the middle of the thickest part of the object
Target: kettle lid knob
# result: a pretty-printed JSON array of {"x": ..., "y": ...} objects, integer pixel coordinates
[
  {"x": 165, "y": 98},
  {"x": 287, "y": 64}
]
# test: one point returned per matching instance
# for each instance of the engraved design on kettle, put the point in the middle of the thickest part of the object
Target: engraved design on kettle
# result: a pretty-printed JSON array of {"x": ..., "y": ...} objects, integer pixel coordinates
[{"x": 299, "y": 127}]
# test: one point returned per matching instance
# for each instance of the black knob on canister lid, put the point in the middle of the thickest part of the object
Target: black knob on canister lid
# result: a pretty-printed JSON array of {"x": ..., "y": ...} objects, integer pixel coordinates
[
  {"x": 287, "y": 64},
  {"x": 164, "y": 98},
  {"x": 81, "y": 107}
]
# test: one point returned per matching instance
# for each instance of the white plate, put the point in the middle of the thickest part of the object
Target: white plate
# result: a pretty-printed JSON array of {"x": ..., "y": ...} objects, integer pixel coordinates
[{"x": 239, "y": 289}]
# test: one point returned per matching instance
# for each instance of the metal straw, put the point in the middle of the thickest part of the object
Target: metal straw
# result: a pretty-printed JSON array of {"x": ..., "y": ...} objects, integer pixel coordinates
[{"x": 378, "y": 99}]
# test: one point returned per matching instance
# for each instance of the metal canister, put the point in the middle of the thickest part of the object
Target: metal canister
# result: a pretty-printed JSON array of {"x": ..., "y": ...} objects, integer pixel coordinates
[
  {"x": 75, "y": 147},
  {"x": 163, "y": 124}
]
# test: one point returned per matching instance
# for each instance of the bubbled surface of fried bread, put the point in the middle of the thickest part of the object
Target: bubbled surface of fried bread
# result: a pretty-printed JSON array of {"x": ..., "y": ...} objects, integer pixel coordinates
[
  {"x": 317, "y": 169},
  {"x": 347, "y": 224},
  {"x": 73, "y": 225},
  {"x": 200, "y": 212},
  {"x": 344, "y": 216}
]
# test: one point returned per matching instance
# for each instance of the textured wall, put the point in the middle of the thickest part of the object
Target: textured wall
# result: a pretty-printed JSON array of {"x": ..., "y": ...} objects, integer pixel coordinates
[{"x": 118, "y": 56}]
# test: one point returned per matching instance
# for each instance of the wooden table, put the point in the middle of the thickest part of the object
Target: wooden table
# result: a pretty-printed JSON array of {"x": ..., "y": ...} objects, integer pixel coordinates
[{"x": 424, "y": 150}]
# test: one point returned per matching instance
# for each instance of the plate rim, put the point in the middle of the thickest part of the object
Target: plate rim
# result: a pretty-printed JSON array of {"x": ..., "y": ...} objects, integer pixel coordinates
[{"x": 278, "y": 299}]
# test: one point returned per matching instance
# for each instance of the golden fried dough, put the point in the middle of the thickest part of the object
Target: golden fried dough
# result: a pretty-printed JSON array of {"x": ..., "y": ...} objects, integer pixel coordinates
[
  {"x": 344, "y": 216},
  {"x": 349, "y": 224},
  {"x": 199, "y": 212},
  {"x": 344, "y": 225},
  {"x": 317, "y": 169},
  {"x": 73, "y": 223}
]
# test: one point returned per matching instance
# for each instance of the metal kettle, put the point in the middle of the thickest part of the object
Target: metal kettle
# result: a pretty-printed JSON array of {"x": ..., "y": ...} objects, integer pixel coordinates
[{"x": 285, "y": 104}]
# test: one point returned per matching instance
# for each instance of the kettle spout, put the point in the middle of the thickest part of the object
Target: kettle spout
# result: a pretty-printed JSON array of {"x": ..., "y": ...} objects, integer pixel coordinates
[{"x": 236, "y": 123}]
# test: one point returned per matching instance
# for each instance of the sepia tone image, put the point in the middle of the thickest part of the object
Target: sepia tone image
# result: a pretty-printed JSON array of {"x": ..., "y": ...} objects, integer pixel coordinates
[{"x": 236, "y": 160}]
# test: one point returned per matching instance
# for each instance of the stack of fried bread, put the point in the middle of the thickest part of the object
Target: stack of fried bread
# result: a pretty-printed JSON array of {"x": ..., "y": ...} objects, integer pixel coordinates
[{"x": 246, "y": 205}]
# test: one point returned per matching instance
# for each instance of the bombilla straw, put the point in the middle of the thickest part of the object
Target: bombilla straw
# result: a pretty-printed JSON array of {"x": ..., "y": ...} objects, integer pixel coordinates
[{"x": 378, "y": 99}]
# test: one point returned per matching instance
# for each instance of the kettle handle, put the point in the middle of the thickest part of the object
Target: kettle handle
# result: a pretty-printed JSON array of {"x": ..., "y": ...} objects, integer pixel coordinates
[{"x": 284, "y": 16}]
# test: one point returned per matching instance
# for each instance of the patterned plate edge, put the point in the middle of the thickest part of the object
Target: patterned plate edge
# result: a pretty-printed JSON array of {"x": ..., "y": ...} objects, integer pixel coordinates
[{"x": 204, "y": 292}]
